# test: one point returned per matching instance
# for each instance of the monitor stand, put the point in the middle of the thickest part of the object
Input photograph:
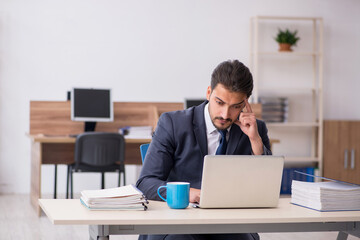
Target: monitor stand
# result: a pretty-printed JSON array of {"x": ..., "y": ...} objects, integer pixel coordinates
[{"x": 89, "y": 126}]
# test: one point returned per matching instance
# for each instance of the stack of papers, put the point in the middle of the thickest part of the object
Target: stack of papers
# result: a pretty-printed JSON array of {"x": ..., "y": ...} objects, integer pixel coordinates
[
  {"x": 121, "y": 198},
  {"x": 326, "y": 196},
  {"x": 139, "y": 132}
]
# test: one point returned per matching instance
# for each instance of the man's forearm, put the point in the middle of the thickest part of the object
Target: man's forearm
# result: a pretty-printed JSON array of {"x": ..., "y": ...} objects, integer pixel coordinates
[{"x": 257, "y": 146}]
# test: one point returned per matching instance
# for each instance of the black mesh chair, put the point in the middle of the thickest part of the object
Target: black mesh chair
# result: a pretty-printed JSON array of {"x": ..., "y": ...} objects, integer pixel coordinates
[{"x": 97, "y": 152}]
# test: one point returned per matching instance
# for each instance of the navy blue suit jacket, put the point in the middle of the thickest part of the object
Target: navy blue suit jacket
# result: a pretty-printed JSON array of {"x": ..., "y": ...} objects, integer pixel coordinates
[{"x": 178, "y": 147}]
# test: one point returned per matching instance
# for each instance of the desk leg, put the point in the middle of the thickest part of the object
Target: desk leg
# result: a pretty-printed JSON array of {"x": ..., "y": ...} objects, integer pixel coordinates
[
  {"x": 35, "y": 188},
  {"x": 354, "y": 231},
  {"x": 99, "y": 232},
  {"x": 342, "y": 236}
]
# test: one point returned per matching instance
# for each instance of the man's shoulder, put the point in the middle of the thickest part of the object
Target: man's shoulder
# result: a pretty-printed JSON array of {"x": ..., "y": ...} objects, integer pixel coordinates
[
  {"x": 179, "y": 115},
  {"x": 189, "y": 113},
  {"x": 176, "y": 122}
]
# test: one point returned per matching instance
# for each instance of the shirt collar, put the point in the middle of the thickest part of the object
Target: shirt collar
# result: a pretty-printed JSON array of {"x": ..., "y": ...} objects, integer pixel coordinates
[{"x": 210, "y": 128}]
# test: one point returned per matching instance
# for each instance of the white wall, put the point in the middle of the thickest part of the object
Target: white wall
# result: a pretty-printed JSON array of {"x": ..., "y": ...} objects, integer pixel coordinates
[{"x": 145, "y": 51}]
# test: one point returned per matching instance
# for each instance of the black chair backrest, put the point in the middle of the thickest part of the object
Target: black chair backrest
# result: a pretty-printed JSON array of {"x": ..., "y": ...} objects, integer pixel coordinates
[{"x": 99, "y": 149}]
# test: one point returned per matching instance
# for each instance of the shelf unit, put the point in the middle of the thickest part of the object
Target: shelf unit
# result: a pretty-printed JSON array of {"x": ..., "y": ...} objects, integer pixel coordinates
[{"x": 306, "y": 63}]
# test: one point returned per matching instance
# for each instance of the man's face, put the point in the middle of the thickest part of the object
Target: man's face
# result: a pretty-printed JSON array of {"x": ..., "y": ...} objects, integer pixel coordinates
[{"x": 224, "y": 106}]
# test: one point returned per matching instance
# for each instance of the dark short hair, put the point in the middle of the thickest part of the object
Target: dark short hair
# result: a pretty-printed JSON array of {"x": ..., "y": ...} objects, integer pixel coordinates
[{"x": 234, "y": 75}]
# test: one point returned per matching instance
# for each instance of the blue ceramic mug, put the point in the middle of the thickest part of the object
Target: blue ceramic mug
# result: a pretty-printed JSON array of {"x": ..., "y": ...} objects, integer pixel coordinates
[{"x": 177, "y": 194}]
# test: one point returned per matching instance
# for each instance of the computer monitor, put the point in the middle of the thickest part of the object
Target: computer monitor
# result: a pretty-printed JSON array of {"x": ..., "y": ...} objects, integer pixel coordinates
[
  {"x": 90, "y": 106},
  {"x": 193, "y": 102}
]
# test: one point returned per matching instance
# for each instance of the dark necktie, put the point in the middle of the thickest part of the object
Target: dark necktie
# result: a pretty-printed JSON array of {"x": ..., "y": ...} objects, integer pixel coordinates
[{"x": 221, "y": 150}]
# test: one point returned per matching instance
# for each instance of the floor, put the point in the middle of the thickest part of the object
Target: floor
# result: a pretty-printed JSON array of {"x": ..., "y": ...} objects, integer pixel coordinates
[{"x": 19, "y": 221}]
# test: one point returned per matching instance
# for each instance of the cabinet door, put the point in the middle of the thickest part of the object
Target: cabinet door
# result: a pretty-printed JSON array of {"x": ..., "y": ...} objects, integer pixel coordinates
[
  {"x": 335, "y": 145},
  {"x": 341, "y": 150},
  {"x": 353, "y": 172}
]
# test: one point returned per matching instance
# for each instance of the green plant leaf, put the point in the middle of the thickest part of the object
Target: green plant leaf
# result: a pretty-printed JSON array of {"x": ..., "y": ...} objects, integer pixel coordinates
[{"x": 287, "y": 37}]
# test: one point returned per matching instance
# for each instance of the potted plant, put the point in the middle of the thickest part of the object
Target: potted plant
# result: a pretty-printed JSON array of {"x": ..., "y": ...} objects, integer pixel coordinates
[{"x": 286, "y": 39}]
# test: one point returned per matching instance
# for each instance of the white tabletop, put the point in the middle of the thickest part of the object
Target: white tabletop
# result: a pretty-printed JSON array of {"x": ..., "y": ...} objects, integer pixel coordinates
[{"x": 71, "y": 211}]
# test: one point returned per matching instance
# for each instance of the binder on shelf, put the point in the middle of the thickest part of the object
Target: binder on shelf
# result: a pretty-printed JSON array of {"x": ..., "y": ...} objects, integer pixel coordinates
[
  {"x": 332, "y": 195},
  {"x": 122, "y": 198},
  {"x": 274, "y": 109},
  {"x": 290, "y": 174}
]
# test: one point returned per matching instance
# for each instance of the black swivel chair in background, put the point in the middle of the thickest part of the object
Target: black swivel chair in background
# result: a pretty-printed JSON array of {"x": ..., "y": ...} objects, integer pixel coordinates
[{"x": 97, "y": 152}]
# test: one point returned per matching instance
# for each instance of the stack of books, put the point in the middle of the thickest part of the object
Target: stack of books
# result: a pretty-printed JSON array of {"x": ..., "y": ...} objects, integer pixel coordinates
[
  {"x": 121, "y": 198},
  {"x": 136, "y": 132},
  {"x": 274, "y": 109},
  {"x": 326, "y": 196}
]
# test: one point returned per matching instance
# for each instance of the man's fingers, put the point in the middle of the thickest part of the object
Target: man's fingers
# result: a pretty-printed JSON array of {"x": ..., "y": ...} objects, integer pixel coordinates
[
  {"x": 248, "y": 107},
  {"x": 194, "y": 195},
  {"x": 246, "y": 121},
  {"x": 244, "y": 115}
]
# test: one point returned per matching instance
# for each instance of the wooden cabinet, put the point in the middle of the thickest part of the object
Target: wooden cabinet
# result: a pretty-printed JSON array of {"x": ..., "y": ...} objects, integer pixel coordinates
[{"x": 342, "y": 150}]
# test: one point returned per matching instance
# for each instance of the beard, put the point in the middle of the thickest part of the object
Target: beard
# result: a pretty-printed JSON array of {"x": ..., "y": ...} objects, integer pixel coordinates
[{"x": 225, "y": 125}]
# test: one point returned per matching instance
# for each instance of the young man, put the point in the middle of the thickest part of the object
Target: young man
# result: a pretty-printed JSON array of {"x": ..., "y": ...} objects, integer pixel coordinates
[{"x": 217, "y": 126}]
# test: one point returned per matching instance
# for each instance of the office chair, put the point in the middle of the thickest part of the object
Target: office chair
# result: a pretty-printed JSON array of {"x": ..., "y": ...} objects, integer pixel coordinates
[
  {"x": 143, "y": 150},
  {"x": 97, "y": 152}
]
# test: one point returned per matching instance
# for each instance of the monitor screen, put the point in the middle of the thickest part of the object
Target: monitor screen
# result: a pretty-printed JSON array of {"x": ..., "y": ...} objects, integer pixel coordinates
[
  {"x": 193, "y": 102},
  {"x": 92, "y": 105}
]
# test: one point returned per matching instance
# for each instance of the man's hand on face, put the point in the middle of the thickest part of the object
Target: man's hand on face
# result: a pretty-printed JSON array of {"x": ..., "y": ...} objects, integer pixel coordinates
[
  {"x": 247, "y": 123},
  {"x": 194, "y": 196}
]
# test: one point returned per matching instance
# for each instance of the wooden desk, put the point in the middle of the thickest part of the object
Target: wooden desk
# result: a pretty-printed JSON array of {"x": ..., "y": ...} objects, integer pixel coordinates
[
  {"x": 60, "y": 150},
  {"x": 50, "y": 126},
  {"x": 159, "y": 219}
]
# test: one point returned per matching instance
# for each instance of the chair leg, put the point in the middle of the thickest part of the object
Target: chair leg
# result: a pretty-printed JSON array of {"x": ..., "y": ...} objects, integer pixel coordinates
[
  {"x": 124, "y": 178},
  {"x": 119, "y": 178},
  {"x": 55, "y": 181},
  {"x": 71, "y": 183},
  {"x": 102, "y": 180},
  {"x": 67, "y": 181}
]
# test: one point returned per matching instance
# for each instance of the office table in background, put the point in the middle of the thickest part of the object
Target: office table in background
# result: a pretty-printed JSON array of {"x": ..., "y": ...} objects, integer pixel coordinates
[
  {"x": 160, "y": 219},
  {"x": 51, "y": 125},
  {"x": 60, "y": 150}
]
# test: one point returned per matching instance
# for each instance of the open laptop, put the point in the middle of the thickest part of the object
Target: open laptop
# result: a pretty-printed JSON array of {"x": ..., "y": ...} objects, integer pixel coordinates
[{"x": 240, "y": 181}]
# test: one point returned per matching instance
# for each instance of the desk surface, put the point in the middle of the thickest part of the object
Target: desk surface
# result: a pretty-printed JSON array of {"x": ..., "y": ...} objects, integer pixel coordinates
[
  {"x": 41, "y": 138},
  {"x": 70, "y": 211}
]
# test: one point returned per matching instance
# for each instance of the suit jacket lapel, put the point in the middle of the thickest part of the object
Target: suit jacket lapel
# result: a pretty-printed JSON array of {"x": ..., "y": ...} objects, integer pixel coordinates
[
  {"x": 200, "y": 128},
  {"x": 235, "y": 135}
]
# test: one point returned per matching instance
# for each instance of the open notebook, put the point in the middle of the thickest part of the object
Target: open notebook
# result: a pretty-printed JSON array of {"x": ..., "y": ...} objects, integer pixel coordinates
[{"x": 239, "y": 181}]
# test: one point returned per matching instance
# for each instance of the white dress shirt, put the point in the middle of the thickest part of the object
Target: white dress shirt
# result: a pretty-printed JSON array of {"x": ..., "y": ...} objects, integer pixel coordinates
[{"x": 213, "y": 135}]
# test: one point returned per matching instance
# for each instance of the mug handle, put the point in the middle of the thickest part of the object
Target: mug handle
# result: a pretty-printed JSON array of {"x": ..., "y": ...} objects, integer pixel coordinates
[{"x": 158, "y": 192}]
